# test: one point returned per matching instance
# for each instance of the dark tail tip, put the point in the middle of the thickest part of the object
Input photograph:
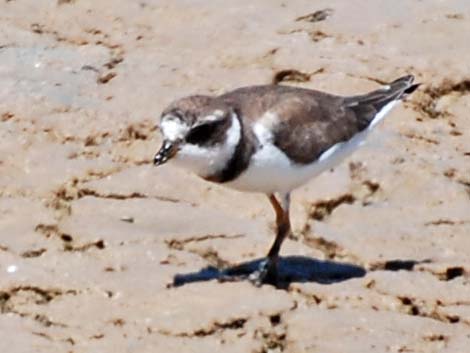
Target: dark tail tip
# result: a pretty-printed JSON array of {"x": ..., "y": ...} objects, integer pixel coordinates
[
  {"x": 412, "y": 88},
  {"x": 406, "y": 82}
]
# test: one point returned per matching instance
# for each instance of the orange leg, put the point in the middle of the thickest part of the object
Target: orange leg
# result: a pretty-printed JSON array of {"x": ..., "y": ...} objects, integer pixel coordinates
[
  {"x": 282, "y": 224},
  {"x": 267, "y": 272}
]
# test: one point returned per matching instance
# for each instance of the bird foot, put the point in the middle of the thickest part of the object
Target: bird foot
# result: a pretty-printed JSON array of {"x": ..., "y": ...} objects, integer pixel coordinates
[{"x": 265, "y": 274}]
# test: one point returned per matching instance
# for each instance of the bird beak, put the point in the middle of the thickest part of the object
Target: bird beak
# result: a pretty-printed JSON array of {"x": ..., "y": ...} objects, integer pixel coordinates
[{"x": 167, "y": 151}]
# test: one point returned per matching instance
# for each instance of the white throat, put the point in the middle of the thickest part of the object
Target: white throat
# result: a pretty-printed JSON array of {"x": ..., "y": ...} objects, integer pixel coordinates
[{"x": 207, "y": 161}]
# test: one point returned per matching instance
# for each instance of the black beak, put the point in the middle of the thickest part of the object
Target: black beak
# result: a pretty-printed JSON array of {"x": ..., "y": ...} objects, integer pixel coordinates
[{"x": 167, "y": 151}]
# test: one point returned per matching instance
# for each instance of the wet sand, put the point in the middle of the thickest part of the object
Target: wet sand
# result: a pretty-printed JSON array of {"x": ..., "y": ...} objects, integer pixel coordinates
[{"x": 92, "y": 236}]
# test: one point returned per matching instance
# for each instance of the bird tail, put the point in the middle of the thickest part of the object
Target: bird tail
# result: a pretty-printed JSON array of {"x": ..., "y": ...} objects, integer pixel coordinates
[
  {"x": 372, "y": 107},
  {"x": 404, "y": 85}
]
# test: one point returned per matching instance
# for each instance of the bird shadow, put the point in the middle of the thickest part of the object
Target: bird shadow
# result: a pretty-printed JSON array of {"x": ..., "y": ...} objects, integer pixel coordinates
[{"x": 290, "y": 269}]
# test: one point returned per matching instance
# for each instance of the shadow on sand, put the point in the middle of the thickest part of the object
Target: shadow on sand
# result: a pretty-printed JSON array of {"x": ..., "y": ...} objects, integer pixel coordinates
[{"x": 290, "y": 269}]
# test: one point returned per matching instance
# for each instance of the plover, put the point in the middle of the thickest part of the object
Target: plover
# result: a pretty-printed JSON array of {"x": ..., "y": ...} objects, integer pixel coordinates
[{"x": 271, "y": 139}]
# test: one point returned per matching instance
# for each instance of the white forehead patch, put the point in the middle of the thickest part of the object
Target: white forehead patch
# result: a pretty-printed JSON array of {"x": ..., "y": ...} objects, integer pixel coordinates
[
  {"x": 173, "y": 129},
  {"x": 210, "y": 118},
  {"x": 215, "y": 116}
]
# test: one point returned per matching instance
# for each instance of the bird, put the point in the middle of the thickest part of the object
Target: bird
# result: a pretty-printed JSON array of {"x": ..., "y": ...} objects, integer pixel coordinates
[{"x": 271, "y": 139}]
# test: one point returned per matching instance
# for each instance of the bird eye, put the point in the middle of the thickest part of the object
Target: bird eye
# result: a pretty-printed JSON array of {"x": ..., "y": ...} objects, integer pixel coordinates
[
  {"x": 201, "y": 134},
  {"x": 176, "y": 115}
]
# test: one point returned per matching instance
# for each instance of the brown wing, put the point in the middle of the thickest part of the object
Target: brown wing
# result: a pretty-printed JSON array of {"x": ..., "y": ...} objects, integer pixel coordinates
[
  {"x": 315, "y": 122},
  {"x": 310, "y": 121},
  {"x": 310, "y": 124}
]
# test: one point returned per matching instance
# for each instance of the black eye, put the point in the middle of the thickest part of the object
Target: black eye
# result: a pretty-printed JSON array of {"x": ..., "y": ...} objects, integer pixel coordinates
[{"x": 202, "y": 134}]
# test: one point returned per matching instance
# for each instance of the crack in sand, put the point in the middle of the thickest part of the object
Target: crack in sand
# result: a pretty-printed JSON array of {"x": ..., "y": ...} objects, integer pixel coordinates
[
  {"x": 274, "y": 339},
  {"x": 317, "y": 16},
  {"x": 36, "y": 295},
  {"x": 314, "y": 35},
  {"x": 43, "y": 335},
  {"x": 69, "y": 191},
  {"x": 448, "y": 274},
  {"x": 116, "y": 50},
  {"x": 4, "y": 248},
  {"x": 447, "y": 222},
  {"x": 369, "y": 78},
  {"x": 82, "y": 192},
  {"x": 144, "y": 130},
  {"x": 132, "y": 132},
  {"x": 45, "y": 320},
  {"x": 33, "y": 253},
  {"x": 43, "y": 296},
  {"x": 396, "y": 265},
  {"x": 293, "y": 75},
  {"x": 99, "y": 244},
  {"x": 453, "y": 175},
  {"x": 403, "y": 304},
  {"x": 466, "y": 184},
  {"x": 427, "y": 105},
  {"x": 212, "y": 257},
  {"x": 53, "y": 231},
  {"x": 420, "y": 307},
  {"x": 322, "y": 209},
  {"x": 48, "y": 230},
  {"x": 215, "y": 328},
  {"x": 330, "y": 249},
  {"x": 73, "y": 190},
  {"x": 208, "y": 254},
  {"x": 414, "y": 136},
  {"x": 179, "y": 244},
  {"x": 415, "y": 307}
]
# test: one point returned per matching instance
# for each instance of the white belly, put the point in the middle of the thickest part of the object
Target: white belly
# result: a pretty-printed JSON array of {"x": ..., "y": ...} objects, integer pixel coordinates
[{"x": 271, "y": 171}]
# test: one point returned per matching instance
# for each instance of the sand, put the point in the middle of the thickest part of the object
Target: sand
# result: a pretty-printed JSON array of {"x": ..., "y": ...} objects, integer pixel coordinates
[{"x": 93, "y": 237}]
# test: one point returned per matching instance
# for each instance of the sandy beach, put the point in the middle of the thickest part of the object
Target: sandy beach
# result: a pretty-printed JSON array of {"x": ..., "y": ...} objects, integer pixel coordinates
[{"x": 102, "y": 252}]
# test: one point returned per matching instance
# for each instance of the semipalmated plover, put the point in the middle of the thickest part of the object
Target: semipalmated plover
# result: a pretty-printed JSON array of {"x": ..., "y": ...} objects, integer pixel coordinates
[{"x": 271, "y": 139}]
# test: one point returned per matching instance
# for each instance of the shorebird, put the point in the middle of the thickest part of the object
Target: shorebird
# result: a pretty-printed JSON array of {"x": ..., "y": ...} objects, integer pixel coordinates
[{"x": 271, "y": 139}]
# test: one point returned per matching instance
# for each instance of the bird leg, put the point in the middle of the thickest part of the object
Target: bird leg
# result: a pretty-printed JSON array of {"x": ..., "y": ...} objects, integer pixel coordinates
[{"x": 267, "y": 271}]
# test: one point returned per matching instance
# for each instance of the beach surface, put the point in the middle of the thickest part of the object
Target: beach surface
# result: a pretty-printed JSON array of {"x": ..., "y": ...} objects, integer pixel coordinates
[{"x": 102, "y": 252}]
